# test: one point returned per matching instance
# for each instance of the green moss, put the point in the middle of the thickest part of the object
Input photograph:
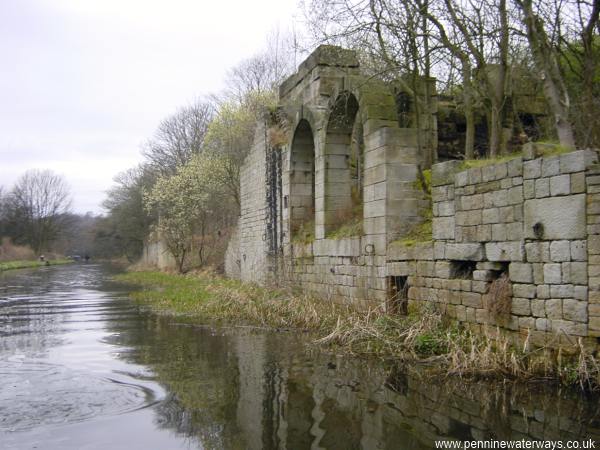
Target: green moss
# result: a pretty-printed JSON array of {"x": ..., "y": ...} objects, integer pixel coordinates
[
  {"x": 11, "y": 265},
  {"x": 472, "y": 163},
  {"x": 352, "y": 228},
  {"x": 420, "y": 233},
  {"x": 305, "y": 234},
  {"x": 550, "y": 148}
]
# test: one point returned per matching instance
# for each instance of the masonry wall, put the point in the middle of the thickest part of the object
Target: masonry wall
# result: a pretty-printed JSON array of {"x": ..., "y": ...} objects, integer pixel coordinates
[
  {"x": 526, "y": 218},
  {"x": 253, "y": 257}
]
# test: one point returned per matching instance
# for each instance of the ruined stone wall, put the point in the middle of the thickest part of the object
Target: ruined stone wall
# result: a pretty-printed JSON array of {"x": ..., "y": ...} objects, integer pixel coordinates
[
  {"x": 253, "y": 257},
  {"x": 156, "y": 254},
  {"x": 525, "y": 218}
]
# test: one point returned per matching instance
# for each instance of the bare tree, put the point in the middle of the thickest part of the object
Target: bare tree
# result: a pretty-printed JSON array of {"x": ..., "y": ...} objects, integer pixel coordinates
[
  {"x": 38, "y": 203},
  {"x": 179, "y": 137}
]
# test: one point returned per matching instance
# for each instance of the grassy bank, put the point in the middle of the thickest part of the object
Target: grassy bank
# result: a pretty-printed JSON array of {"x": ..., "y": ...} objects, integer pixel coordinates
[
  {"x": 10, "y": 265},
  {"x": 422, "y": 337}
]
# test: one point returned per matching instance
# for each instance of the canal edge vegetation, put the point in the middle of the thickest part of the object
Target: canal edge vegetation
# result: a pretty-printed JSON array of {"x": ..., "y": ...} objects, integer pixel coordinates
[
  {"x": 423, "y": 338},
  {"x": 12, "y": 265}
]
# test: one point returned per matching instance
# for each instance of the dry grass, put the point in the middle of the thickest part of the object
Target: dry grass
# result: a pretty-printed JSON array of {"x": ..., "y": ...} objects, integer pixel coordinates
[
  {"x": 424, "y": 336},
  {"x": 500, "y": 297},
  {"x": 12, "y": 252}
]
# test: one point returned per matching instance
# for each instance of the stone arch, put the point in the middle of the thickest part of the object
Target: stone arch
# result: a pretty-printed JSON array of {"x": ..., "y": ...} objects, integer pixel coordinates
[
  {"x": 302, "y": 180},
  {"x": 344, "y": 162}
]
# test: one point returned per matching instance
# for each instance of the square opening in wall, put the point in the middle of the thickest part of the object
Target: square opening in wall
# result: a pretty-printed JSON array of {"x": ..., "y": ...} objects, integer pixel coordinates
[
  {"x": 397, "y": 299},
  {"x": 462, "y": 270}
]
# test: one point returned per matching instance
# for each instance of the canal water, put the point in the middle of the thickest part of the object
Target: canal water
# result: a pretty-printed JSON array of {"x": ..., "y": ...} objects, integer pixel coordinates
[{"x": 82, "y": 367}]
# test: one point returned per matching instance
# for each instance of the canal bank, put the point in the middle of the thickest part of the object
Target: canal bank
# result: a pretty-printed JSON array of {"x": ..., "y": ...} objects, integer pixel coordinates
[{"x": 423, "y": 337}]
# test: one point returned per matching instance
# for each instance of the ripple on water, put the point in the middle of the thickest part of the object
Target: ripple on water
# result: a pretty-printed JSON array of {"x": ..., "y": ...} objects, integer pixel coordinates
[{"x": 34, "y": 393}]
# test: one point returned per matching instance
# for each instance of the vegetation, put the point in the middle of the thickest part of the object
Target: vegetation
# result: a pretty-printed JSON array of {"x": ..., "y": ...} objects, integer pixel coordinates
[
  {"x": 423, "y": 335},
  {"x": 11, "y": 265}
]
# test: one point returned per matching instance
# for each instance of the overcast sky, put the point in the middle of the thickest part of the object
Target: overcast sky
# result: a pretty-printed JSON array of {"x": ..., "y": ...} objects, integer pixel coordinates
[{"x": 84, "y": 82}]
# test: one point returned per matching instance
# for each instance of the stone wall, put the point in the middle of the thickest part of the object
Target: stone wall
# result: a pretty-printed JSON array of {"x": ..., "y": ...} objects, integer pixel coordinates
[
  {"x": 156, "y": 254},
  {"x": 526, "y": 219},
  {"x": 515, "y": 243}
]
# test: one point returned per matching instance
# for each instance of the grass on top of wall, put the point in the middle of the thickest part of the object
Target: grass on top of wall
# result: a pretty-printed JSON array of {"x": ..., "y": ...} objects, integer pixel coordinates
[
  {"x": 11, "y": 265},
  {"x": 424, "y": 336},
  {"x": 483, "y": 162}
]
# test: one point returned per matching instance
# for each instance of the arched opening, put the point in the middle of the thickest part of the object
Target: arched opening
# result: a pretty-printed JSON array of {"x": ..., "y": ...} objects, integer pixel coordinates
[
  {"x": 344, "y": 168},
  {"x": 302, "y": 183}
]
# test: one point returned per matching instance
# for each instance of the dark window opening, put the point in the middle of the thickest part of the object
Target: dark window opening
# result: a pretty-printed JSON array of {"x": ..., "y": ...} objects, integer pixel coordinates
[
  {"x": 462, "y": 270},
  {"x": 397, "y": 301}
]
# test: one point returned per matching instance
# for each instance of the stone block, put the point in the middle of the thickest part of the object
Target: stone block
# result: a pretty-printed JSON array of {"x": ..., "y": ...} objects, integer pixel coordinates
[
  {"x": 483, "y": 275},
  {"x": 550, "y": 166},
  {"x": 554, "y": 308},
  {"x": 439, "y": 250},
  {"x": 499, "y": 232},
  {"x": 528, "y": 189},
  {"x": 542, "y": 187},
  {"x": 577, "y": 183},
  {"x": 469, "y": 202},
  {"x": 577, "y": 161},
  {"x": 443, "y": 173},
  {"x": 520, "y": 306},
  {"x": 560, "y": 251},
  {"x": 520, "y": 272},
  {"x": 580, "y": 292},
  {"x": 488, "y": 265},
  {"x": 532, "y": 169},
  {"x": 490, "y": 215},
  {"x": 543, "y": 324},
  {"x": 443, "y": 228},
  {"x": 552, "y": 274},
  {"x": 443, "y": 269},
  {"x": 560, "y": 185},
  {"x": 524, "y": 290},
  {"x": 445, "y": 209},
  {"x": 579, "y": 250},
  {"x": 505, "y": 251},
  {"x": 515, "y": 195},
  {"x": 569, "y": 327},
  {"x": 472, "y": 299},
  {"x": 561, "y": 290},
  {"x": 542, "y": 291},
  {"x": 538, "y": 308},
  {"x": 555, "y": 218},
  {"x": 526, "y": 323},
  {"x": 515, "y": 167},
  {"x": 537, "y": 251},
  {"x": 474, "y": 175},
  {"x": 465, "y": 252},
  {"x": 578, "y": 272},
  {"x": 538, "y": 273}
]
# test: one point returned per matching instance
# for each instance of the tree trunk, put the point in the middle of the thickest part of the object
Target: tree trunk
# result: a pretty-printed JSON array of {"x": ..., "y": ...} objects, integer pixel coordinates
[
  {"x": 545, "y": 61},
  {"x": 469, "y": 113}
]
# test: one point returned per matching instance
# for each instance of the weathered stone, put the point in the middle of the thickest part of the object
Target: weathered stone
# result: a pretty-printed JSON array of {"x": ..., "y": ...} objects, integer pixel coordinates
[
  {"x": 443, "y": 228},
  {"x": 543, "y": 291},
  {"x": 471, "y": 202},
  {"x": 528, "y": 189},
  {"x": 561, "y": 290},
  {"x": 555, "y": 217},
  {"x": 483, "y": 275},
  {"x": 515, "y": 195},
  {"x": 520, "y": 272},
  {"x": 560, "y": 251},
  {"x": 498, "y": 232},
  {"x": 552, "y": 274},
  {"x": 538, "y": 308},
  {"x": 575, "y": 310},
  {"x": 490, "y": 215},
  {"x": 542, "y": 187},
  {"x": 560, "y": 185},
  {"x": 524, "y": 290},
  {"x": 577, "y": 183},
  {"x": 554, "y": 308},
  {"x": 577, "y": 161},
  {"x": 537, "y": 251},
  {"x": 532, "y": 169},
  {"x": 543, "y": 324},
  {"x": 442, "y": 269},
  {"x": 569, "y": 328},
  {"x": 521, "y": 306},
  {"x": 578, "y": 272},
  {"x": 505, "y": 251},
  {"x": 443, "y": 173},
  {"x": 550, "y": 166},
  {"x": 579, "y": 250},
  {"x": 465, "y": 252},
  {"x": 580, "y": 292},
  {"x": 472, "y": 299},
  {"x": 515, "y": 167}
]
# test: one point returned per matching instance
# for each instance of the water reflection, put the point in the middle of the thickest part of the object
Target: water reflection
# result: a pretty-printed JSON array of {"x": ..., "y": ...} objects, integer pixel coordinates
[
  {"x": 237, "y": 388},
  {"x": 81, "y": 366}
]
